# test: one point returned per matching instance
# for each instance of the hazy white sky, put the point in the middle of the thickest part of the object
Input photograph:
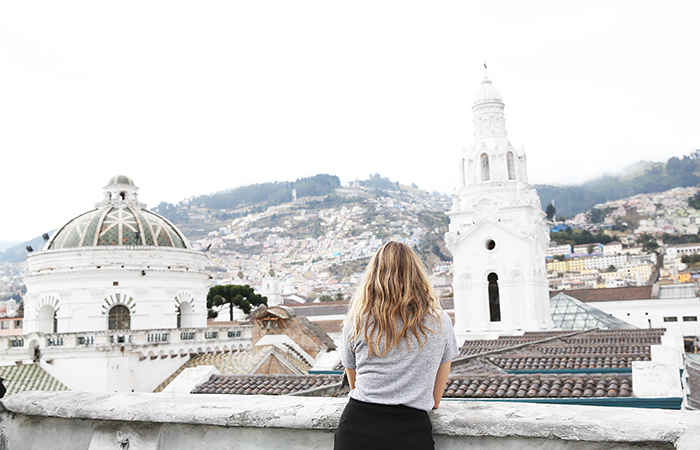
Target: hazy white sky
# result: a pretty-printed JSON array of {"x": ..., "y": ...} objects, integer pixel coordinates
[{"x": 188, "y": 98}]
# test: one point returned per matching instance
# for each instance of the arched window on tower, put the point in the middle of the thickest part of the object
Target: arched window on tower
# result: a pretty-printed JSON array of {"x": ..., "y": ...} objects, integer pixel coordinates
[
  {"x": 485, "y": 174},
  {"x": 511, "y": 166},
  {"x": 119, "y": 318},
  {"x": 494, "y": 298}
]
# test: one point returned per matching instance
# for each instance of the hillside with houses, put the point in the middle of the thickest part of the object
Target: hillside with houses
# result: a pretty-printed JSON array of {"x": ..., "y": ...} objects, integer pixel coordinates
[{"x": 632, "y": 241}]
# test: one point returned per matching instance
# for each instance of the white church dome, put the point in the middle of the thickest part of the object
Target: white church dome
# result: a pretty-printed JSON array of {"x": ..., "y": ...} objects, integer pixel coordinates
[
  {"x": 119, "y": 220},
  {"x": 487, "y": 93}
]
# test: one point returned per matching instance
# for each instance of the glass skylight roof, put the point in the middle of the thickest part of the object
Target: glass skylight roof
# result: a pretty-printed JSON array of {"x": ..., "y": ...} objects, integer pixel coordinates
[{"x": 569, "y": 313}]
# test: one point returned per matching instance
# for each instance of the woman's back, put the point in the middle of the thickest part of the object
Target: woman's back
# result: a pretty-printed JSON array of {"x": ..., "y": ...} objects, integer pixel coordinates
[
  {"x": 406, "y": 374},
  {"x": 397, "y": 347}
]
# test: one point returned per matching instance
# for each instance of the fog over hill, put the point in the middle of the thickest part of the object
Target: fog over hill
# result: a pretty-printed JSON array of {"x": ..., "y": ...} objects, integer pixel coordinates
[
  {"x": 640, "y": 178},
  {"x": 222, "y": 207}
]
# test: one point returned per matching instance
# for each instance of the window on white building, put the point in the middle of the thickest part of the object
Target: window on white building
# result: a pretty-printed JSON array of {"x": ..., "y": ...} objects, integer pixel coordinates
[
  {"x": 690, "y": 318},
  {"x": 511, "y": 166},
  {"x": 670, "y": 319},
  {"x": 485, "y": 173},
  {"x": 494, "y": 298},
  {"x": 119, "y": 318}
]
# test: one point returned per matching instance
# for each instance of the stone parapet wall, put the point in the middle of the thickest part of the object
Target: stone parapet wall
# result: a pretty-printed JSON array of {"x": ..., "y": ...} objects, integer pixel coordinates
[{"x": 88, "y": 421}]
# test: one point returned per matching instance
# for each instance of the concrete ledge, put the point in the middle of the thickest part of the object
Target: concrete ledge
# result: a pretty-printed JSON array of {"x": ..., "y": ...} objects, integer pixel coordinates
[{"x": 86, "y": 421}]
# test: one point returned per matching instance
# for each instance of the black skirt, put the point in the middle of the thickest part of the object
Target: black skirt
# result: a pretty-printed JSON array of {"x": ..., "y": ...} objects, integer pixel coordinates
[{"x": 368, "y": 426}]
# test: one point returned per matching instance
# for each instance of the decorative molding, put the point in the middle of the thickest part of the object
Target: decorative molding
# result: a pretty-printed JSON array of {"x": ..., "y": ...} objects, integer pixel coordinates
[
  {"x": 48, "y": 300},
  {"x": 184, "y": 297},
  {"x": 118, "y": 299}
]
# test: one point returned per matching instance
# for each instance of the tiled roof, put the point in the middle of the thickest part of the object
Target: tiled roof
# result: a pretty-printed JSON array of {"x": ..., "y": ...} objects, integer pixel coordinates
[
  {"x": 29, "y": 377},
  {"x": 318, "y": 332},
  {"x": 564, "y": 363},
  {"x": 600, "y": 342},
  {"x": 693, "y": 371},
  {"x": 321, "y": 309},
  {"x": 330, "y": 326},
  {"x": 238, "y": 363},
  {"x": 519, "y": 386},
  {"x": 264, "y": 384},
  {"x": 609, "y": 295}
]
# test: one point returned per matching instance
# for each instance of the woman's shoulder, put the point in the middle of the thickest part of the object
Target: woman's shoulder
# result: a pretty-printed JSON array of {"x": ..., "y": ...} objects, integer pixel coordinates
[{"x": 445, "y": 319}]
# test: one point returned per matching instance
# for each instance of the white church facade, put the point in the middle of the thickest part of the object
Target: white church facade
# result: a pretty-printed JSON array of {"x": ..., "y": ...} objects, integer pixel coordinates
[
  {"x": 118, "y": 266},
  {"x": 116, "y": 300},
  {"x": 497, "y": 234}
]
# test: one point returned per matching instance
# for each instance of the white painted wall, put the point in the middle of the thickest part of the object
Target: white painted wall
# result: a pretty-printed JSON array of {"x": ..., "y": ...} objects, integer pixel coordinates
[
  {"x": 87, "y": 421},
  {"x": 651, "y": 313}
]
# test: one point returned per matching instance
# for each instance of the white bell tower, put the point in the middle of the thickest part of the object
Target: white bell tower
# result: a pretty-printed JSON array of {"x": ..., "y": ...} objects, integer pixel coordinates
[{"x": 497, "y": 233}]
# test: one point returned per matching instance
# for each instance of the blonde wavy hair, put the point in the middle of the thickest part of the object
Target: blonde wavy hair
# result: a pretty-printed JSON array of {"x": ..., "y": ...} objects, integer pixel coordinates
[{"x": 395, "y": 286}]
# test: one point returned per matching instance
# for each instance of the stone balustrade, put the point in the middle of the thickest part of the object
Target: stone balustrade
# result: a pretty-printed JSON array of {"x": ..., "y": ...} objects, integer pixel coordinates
[
  {"x": 105, "y": 421},
  {"x": 153, "y": 342}
]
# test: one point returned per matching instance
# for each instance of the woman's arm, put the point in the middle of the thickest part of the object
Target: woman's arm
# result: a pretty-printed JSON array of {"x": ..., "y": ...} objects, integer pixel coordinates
[
  {"x": 440, "y": 381},
  {"x": 351, "y": 377}
]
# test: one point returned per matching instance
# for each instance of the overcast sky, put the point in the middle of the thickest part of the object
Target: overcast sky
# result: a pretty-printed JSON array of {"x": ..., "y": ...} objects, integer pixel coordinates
[{"x": 188, "y": 98}]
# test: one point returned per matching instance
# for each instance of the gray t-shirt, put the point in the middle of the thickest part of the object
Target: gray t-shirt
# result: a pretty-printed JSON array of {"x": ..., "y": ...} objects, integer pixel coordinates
[{"x": 402, "y": 377}]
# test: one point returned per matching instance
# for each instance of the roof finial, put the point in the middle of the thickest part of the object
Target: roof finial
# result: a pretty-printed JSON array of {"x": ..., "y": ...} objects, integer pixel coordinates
[{"x": 485, "y": 74}]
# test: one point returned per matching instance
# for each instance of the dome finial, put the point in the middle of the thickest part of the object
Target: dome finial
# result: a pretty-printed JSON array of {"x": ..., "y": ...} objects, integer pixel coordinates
[{"x": 486, "y": 75}]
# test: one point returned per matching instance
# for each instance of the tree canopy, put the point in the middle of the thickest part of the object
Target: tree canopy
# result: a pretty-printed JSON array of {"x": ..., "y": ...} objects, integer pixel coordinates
[
  {"x": 234, "y": 295},
  {"x": 550, "y": 211}
]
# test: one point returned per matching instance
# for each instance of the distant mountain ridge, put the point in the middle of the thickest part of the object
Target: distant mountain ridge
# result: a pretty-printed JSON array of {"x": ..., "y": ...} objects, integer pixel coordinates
[{"x": 640, "y": 178}]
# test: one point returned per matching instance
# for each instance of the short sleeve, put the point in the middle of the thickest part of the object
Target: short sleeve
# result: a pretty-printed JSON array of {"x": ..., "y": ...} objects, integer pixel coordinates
[
  {"x": 347, "y": 354},
  {"x": 451, "y": 347}
]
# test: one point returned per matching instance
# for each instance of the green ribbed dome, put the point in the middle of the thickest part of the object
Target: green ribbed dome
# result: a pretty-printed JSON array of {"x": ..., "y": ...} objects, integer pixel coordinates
[
  {"x": 120, "y": 179},
  {"x": 118, "y": 225},
  {"x": 119, "y": 220}
]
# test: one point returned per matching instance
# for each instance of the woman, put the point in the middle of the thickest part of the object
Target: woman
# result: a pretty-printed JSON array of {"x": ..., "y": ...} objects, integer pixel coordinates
[{"x": 397, "y": 347}]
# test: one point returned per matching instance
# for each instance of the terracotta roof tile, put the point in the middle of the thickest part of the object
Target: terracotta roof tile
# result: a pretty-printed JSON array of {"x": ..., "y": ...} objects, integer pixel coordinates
[
  {"x": 609, "y": 295},
  {"x": 264, "y": 384},
  {"x": 521, "y": 386},
  {"x": 237, "y": 363},
  {"x": 599, "y": 342}
]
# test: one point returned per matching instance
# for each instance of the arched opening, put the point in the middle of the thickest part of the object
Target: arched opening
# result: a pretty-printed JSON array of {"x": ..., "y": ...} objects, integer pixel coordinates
[
  {"x": 511, "y": 166},
  {"x": 46, "y": 320},
  {"x": 185, "y": 315},
  {"x": 122, "y": 195},
  {"x": 119, "y": 318},
  {"x": 485, "y": 173},
  {"x": 494, "y": 298}
]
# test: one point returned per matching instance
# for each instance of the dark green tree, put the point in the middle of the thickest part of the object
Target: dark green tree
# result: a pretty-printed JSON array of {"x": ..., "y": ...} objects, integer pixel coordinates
[
  {"x": 235, "y": 296},
  {"x": 550, "y": 211},
  {"x": 597, "y": 215},
  {"x": 648, "y": 242},
  {"x": 694, "y": 201},
  {"x": 690, "y": 259}
]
